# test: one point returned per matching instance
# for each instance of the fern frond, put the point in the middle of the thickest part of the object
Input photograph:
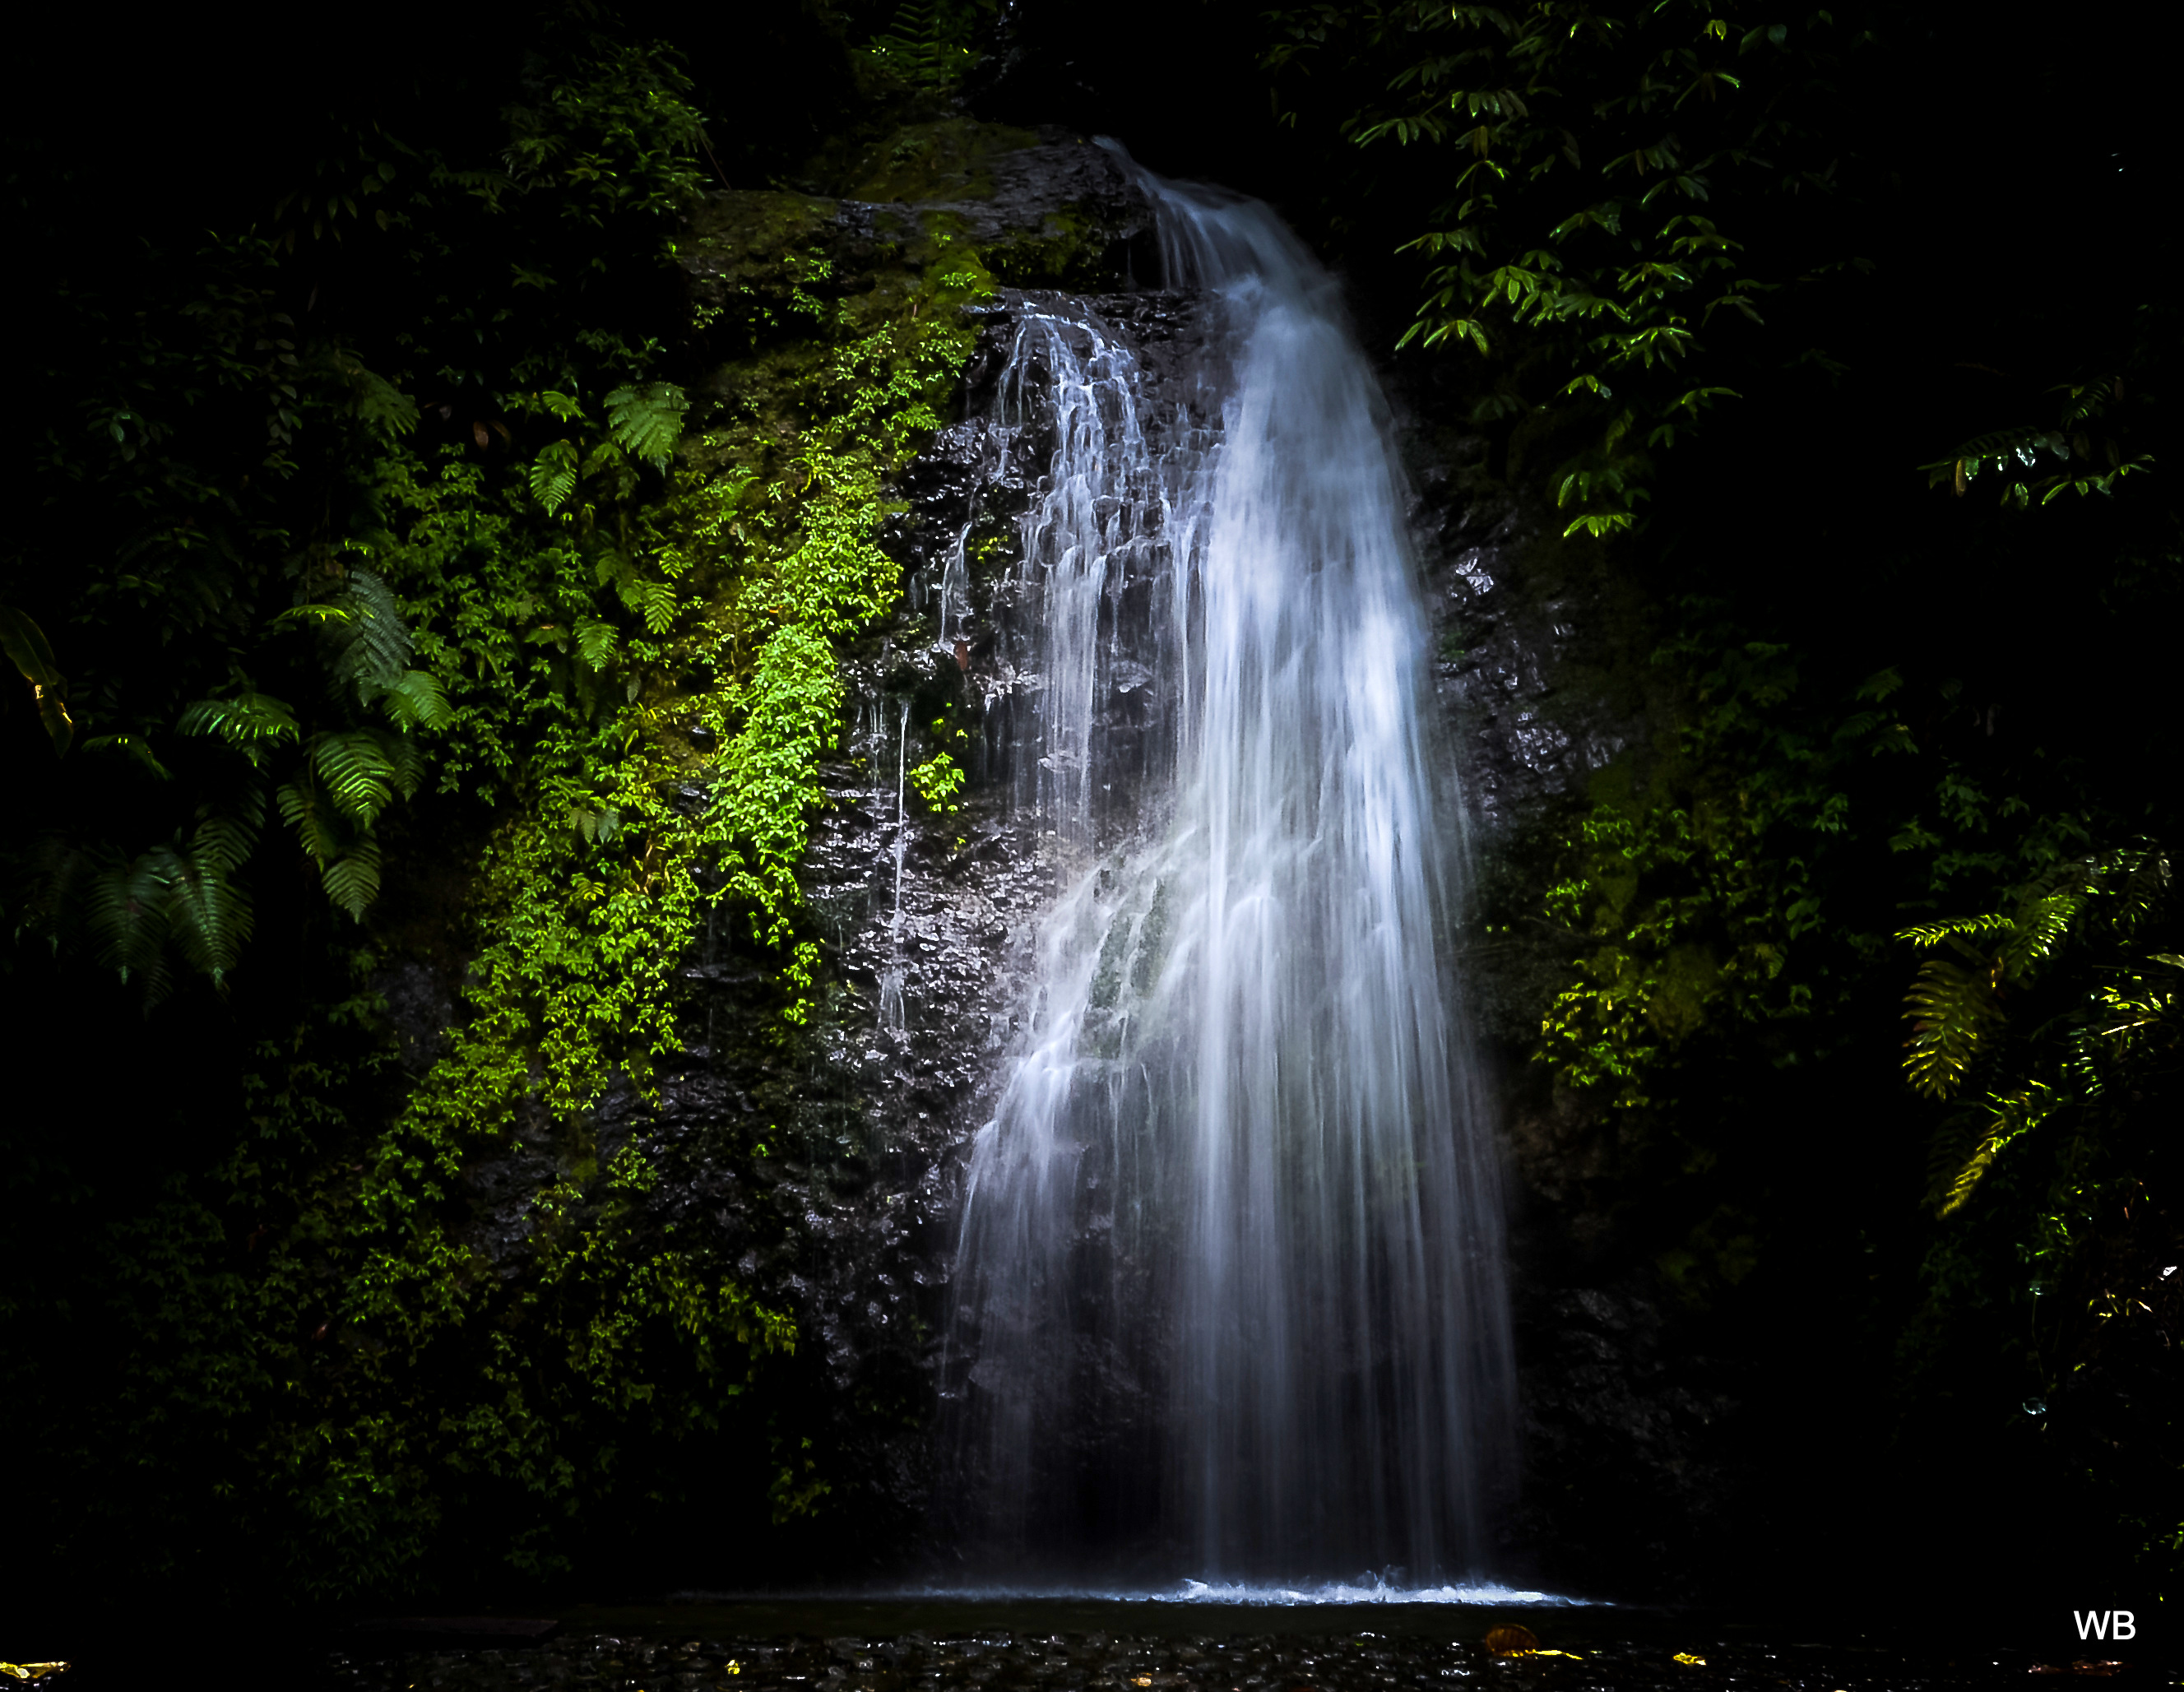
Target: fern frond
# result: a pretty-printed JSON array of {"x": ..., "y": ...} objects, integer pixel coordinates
[
  {"x": 224, "y": 839},
  {"x": 417, "y": 700},
  {"x": 251, "y": 723},
  {"x": 352, "y": 880},
  {"x": 358, "y": 772},
  {"x": 304, "y": 808},
  {"x": 2145, "y": 883},
  {"x": 127, "y": 909},
  {"x": 2038, "y": 929},
  {"x": 378, "y": 649},
  {"x": 2014, "y": 1115},
  {"x": 920, "y": 48},
  {"x": 1934, "y": 933},
  {"x": 596, "y": 642},
  {"x": 406, "y": 761},
  {"x": 1952, "y": 1012},
  {"x": 553, "y": 476},
  {"x": 1955, "y": 1140},
  {"x": 211, "y": 917},
  {"x": 659, "y": 599},
  {"x": 647, "y": 421}
]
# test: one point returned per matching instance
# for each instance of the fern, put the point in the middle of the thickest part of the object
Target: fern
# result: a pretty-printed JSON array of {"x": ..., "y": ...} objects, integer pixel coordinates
[
  {"x": 357, "y": 768},
  {"x": 251, "y": 723},
  {"x": 352, "y": 880},
  {"x": 126, "y": 909},
  {"x": 658, "y": 599},
  {"x": 214, "y": 915},
  {"x": 553, "y": 476},
  {"x": 647, "y": 421},
  {"x": 406, "y": 761},
  {"x": 596, "y": 642},
  {"x": 417, "y": 700},
  {"x": 922, "y": 47},
  {"x": 1952, "y": 1010},
  {"x": 304, "y": 808},
  {"x": 1934, "y": 933},
  {"x": 377, "y": 650},
  {"x": 2145, "y": 883},
  {"x": 2126, "y": 1022},
  {"x": 380, "y": 405},
  {"x": 2012, "y": 1117},
  {"x": 225, "y": 839},
  {"x": 2036, "y": 931}
]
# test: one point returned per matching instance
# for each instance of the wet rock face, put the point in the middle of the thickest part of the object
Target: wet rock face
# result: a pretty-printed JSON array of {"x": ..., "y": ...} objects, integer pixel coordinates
[
  {"x": 827, "y": 1169},
  {"x": 931, "y": 913},
  {"x": 1532, "y": 632},
  {"x": 1631, "y": 1423}
]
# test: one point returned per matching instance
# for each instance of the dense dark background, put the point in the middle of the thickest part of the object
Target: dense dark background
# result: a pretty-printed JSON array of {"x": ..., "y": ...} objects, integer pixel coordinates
[{"x": 2007, "y": 174}]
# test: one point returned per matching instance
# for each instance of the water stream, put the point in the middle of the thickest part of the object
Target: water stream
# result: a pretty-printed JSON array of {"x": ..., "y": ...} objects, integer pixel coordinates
[{"x": 1228, "y": 1298}]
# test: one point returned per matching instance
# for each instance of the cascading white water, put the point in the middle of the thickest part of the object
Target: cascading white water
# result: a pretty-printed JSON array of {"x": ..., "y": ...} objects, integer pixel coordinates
[{"x": 1228, "y": 1298}]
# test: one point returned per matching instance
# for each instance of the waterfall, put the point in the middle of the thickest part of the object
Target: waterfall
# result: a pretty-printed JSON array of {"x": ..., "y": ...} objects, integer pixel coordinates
[{"x": 1227, "y": 1296}]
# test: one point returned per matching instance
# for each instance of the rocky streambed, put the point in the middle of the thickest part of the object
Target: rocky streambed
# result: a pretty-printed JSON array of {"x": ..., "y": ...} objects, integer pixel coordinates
[{"x": 1267, "y": 1653}]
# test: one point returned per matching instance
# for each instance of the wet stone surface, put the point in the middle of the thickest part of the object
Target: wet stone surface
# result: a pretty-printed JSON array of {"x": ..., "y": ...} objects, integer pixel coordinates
[{"x": 1100, "y": 1662}]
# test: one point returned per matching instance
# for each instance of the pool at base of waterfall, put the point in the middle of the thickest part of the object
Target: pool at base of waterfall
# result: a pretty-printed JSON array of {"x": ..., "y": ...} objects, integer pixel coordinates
[{"x": 1201, "y": 1643}]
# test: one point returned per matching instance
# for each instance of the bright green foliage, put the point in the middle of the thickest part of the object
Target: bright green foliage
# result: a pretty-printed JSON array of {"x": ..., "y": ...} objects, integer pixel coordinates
[
  {"x": 795, "y": 458},
  {"x": 1597, "y": 166},
  {"x": 646, "y": 422},
  {"x": 940, "y": 778},
  {"x": 1952, "y": 1010}
]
